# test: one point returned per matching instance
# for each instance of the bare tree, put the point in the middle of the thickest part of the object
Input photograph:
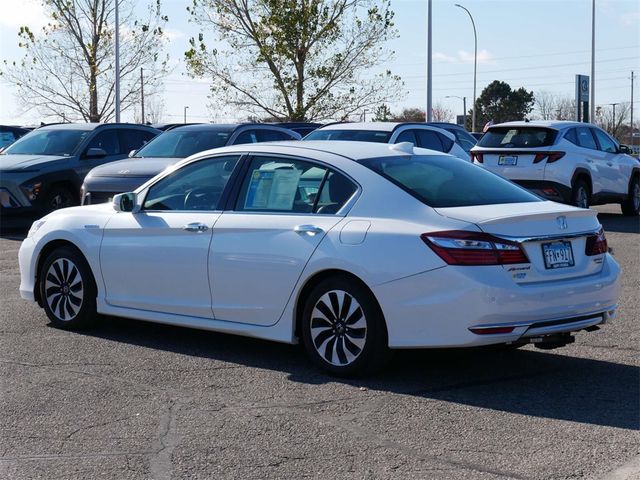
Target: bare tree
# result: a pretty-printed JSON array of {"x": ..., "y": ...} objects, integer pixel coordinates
[
  {"x": 68, "y": 69},
  {"x": 545, "y": 105},
  {"x": 295, "y": 59},
  {"x": 440, "y": 113},
  {"x": 606, "y": 120},
  {"x": 153, "y": 109},
  {"x": 565, "y": 108}
]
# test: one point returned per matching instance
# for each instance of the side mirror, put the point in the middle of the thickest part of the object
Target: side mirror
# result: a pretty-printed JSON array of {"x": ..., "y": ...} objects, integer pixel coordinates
[
  {"x": 95, "y": 153},
  {"x": 624, "y": 149},
  {"x": 132, "y": 153},
  {"x": 124, "y": 202}
]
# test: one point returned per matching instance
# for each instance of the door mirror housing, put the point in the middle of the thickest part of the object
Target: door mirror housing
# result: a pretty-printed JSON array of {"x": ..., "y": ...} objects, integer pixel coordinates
[
  {"x": 95, "y": 153},
  {"x": 624, "y": 149},
  {"x": 125, "y": 202},
  {"x": 132, "y": 153}
]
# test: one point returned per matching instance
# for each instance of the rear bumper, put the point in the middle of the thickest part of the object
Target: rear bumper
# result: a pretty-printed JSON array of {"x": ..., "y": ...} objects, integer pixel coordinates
[
  {"x": 439, "y": 308},
  {"x": 554, "y": 191}
]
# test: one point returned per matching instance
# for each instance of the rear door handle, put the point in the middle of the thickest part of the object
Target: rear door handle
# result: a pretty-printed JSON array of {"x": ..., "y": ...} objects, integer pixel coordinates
[
  {"x": 310, "y": 230},
  {"x": 195, "y": 227}
]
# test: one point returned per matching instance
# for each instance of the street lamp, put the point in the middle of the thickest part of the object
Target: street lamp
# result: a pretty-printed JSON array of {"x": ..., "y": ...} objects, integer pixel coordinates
[
  {"x": 185, "y": 114},
  {"x": 464, "y": 108},
  {"x": 475, "y": 68}
]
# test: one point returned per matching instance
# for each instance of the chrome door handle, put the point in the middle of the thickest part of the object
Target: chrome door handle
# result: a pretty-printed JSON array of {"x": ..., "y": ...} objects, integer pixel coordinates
[
  {"x": 610, "y": 164},
  {"x": 308, "y": 229},
  {"x": 195, "y": 227},
  {"x": 589, "y": 160}
]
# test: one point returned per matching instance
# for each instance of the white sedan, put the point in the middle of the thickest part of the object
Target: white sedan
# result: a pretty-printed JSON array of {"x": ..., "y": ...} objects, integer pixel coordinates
[{"x": 353, "y": 248}]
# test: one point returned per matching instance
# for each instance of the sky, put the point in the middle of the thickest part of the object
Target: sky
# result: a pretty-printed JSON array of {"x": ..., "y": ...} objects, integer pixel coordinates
[{"x": 536, "y": 44}]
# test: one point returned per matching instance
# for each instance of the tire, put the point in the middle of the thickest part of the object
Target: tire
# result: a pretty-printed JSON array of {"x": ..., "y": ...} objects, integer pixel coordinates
[
  {"x": 631, "y": 205},
  {"x": 580, "y": 196},
  {"x": 343, "y": 329},
  {"x": 68, "y": 289},
  {"x": 59, "y": 197}
]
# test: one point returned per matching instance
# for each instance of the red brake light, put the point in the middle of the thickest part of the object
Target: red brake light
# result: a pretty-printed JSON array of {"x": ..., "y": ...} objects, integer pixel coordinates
[
  {"x": 461, "y": 247},
  {"x": 550, "y": 156},
  {"x": 596, "y": 244},
  {"x": 477, "y": 156}
]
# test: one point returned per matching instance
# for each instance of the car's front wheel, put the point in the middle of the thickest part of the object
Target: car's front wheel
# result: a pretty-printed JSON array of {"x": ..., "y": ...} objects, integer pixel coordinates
[
  {"x": 343, "y": 329},
  {"x": 67, "y": 289},
  {"x": 631, "y": 205},
  {"x": 59, "y": 197}
]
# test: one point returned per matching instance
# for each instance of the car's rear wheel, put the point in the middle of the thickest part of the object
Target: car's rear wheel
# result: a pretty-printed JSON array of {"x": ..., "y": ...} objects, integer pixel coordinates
[
  {"x": 580, "y": 196},
  {"x": 343, "y": 329},
  {"x": 67, "y": 289},
  {"x": 631, "y": 205}
]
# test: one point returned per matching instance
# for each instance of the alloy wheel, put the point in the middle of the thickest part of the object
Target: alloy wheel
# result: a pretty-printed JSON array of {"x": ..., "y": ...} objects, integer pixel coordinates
[
  {"x": 338, "y": 328},
  {"x": 582, "y": 198},
  {"x": 636, "y": 196},
  {"x": 64, "y": 289}
]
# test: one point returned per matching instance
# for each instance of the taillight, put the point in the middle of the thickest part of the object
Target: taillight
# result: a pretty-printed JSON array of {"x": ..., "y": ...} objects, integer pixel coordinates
[
  {"x": 461, "y": 247},
  {"x": 596, "y": 244},
  {"x": 550, "y": 156},
  {"x": 477, "y": 156}
]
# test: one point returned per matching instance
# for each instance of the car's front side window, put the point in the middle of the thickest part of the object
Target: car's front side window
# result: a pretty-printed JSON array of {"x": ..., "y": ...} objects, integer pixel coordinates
[
  {"x": 606, "y": 144},
  {"x": 276, "y": 184},
  {"x": 196, "y": 186}
]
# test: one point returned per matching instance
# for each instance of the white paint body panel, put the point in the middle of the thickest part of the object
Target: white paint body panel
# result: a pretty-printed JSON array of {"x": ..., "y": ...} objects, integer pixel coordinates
[{"x": 245, "y": 274}]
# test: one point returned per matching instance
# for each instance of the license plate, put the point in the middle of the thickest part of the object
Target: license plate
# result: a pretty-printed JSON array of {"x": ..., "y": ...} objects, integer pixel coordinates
[
  {"x": 557, "y": 255},
  {"x": 508, "y": 160}
]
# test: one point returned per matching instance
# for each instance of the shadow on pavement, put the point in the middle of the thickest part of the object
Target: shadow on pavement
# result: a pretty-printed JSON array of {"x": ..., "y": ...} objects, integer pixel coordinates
[
  {"x": 526, "y": 382},
  {"x": 612, "y": 222}
]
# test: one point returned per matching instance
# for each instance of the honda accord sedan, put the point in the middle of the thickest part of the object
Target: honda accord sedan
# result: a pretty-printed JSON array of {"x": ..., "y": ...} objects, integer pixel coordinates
[{"x": 352, "y": 248}]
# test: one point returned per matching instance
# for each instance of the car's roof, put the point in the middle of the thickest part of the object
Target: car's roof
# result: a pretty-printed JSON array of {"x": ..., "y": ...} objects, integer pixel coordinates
[
  {"x": 557, "y": 124},
  {"x": 91, "y": 126},
  {"x": 204, "y": 127},
  {"x": 352, "y": 150},
  {"x": 371, "y": 126}
]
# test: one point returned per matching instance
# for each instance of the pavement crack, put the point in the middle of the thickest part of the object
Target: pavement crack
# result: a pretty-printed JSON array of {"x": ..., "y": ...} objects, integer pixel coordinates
[{"x": 166, "y": 441}]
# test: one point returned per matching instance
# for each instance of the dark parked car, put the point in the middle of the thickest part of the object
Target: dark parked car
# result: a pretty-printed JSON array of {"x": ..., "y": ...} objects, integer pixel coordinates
[
  {"x": 463, "y": 138},
  {"x": 43, "y": 170},
  {"x": 9, "y": 134},
  {"x": 102, "y": 183},
  {"x": 168, "y": 126}
]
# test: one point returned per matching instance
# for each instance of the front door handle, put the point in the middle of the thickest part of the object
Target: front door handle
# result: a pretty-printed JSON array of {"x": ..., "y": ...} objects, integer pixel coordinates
[
  {"x": 610, "y": 164},
  {"x": 310, "y": 230},
  {"x": 195, "y": 227}
]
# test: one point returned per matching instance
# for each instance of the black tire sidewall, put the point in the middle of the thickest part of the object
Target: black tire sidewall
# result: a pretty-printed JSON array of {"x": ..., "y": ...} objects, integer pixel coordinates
[
  {"x": 87, "y": 315},
  {"x": 375, "y": 351},
  {"x": 58, "y": 190},
  {"x": 627, "y": 206},
  {"x": 574, "y": 194}
]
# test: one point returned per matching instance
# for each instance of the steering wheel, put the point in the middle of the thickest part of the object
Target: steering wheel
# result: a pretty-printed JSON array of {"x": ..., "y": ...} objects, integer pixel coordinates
[{"x": 200, "y": 199}]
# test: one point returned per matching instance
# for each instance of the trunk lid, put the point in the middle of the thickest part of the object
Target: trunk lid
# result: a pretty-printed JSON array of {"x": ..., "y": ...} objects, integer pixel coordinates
[
  {"x": 553, "y": 236},
  {"x": 513, "y": 163}
]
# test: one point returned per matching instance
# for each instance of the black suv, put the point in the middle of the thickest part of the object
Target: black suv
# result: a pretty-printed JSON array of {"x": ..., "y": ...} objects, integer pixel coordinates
[
  {"x": 43, "y": 170},
  {"x": 102, "y": 183}
]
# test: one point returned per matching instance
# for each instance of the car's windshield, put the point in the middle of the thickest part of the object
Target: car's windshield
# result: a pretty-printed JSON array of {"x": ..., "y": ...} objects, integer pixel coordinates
[
  {"x": 181, "y": 144},
  {"x": 440, "y": 181},
  {"x": 350, "y": 135},
  {"x": 48, "y": 142},
  {"x": 518, "y": 137}
]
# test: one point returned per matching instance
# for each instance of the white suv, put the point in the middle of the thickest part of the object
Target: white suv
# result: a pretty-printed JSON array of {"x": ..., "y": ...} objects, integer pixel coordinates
[
  {"x": 420, "y": 134},
  {"x": 570, "y": 162}
]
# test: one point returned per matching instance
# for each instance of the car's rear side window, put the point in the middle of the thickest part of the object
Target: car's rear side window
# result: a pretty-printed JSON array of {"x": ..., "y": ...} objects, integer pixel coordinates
[
  {"x": 518, "y": 137},
  {"x": 442, "y": 182}
]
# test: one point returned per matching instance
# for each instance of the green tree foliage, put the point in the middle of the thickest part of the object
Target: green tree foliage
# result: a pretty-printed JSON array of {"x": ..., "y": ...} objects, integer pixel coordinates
[
  {"x": 68, "y": 69},
  {"x": 382, "y": 113},
  {"x": 294, "y": 59},
  {"x": 498, "y": 102}
]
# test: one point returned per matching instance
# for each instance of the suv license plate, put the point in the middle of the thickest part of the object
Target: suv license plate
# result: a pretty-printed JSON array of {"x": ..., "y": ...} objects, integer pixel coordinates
[
  {"x": 557, "y": 255},
  {"x": 507, "y": 160}
]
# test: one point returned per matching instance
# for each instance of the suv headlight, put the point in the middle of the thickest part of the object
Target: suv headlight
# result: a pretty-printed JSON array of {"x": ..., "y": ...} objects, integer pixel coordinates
[
  {"x": 35, "y": 226},
  {"x": 31, "y": 190}
]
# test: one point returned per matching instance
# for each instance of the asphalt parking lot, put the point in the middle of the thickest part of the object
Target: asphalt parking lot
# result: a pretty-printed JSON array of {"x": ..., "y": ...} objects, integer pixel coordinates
[{"x": 137, "y": 400}]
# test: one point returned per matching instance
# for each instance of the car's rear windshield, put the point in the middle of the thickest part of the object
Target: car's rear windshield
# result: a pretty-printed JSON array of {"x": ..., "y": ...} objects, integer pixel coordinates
[
  {"x": 350, "y": 135},
  {"x": 518, "y": 137},
  {"x": 181, "y": 144},
  {"x": 441, "y": 182},
  {"x": 48, "y": 142}
]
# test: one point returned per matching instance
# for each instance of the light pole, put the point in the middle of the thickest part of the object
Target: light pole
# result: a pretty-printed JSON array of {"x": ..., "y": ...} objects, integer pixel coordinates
[
  {"x": 613, "y": 122},
  {"x": 464, "y": 109},
  {"x": 592, "y": 99},
  {"x": 429, "y": 112},
  {"x": 475, "y": 67},
  {"x": 185, "y": 114},
  {"x": 117, "y": 45}
]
